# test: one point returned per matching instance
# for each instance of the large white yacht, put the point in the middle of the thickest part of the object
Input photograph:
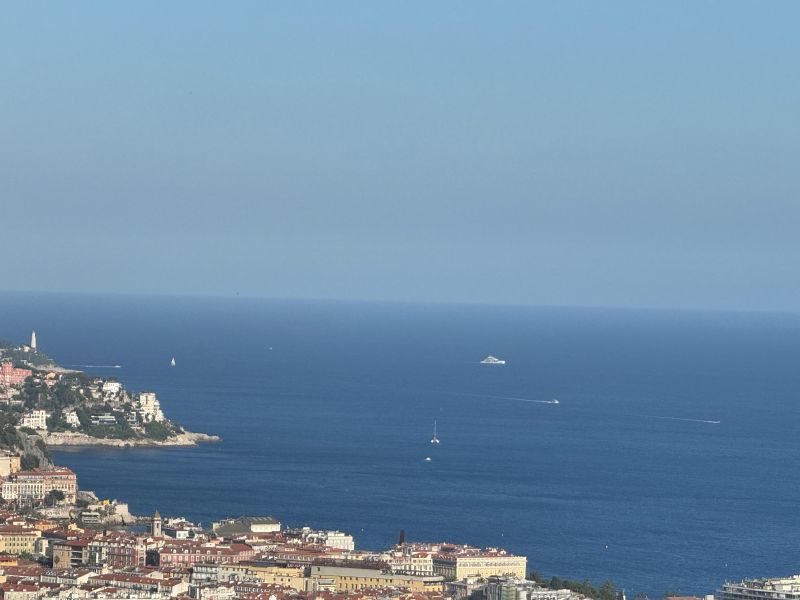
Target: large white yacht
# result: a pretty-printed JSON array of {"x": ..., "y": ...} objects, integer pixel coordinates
[{"x": 493, "y": 360}]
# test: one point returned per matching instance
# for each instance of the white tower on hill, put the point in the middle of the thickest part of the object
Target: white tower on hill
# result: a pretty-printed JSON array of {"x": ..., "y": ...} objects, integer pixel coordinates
[{"x": 33, "y": 340}]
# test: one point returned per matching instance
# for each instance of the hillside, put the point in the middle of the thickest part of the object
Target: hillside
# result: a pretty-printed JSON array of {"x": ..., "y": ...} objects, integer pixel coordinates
[{"x": 42, "y": 400}]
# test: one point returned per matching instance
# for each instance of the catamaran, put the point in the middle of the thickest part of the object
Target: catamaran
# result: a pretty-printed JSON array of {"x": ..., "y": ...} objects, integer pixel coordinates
[{"x": 434, "y": 439}]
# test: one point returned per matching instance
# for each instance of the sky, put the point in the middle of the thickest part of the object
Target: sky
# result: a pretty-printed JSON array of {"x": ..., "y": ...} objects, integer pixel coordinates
[{"x": 635, "y": 154}]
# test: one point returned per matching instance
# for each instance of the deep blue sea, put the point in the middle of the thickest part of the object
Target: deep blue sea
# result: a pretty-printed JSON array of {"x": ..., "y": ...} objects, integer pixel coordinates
[{"x": 327, "y": 409}]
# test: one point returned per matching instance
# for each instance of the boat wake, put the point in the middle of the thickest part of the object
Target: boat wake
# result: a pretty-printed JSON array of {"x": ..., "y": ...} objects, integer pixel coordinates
[
  {"x": 710, "y": 422},
  {"x": 513, "y": 398},
  {"x": 97, "y": 366}
]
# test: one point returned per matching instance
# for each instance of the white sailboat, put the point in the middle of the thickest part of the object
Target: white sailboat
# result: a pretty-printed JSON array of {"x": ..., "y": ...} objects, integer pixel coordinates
[
  {"x": 172, "y": 362},
  {"x": 434, "y": 439}
]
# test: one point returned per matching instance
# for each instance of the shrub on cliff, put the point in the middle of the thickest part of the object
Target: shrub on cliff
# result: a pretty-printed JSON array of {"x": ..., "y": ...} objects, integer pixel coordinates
[
  {"x": 29, "y": 461},
  {"x": 157, "y": 431}
]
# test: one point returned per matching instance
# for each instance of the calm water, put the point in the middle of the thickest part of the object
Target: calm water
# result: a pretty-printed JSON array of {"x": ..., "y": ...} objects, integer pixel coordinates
[{"x": 326, "y": 410}]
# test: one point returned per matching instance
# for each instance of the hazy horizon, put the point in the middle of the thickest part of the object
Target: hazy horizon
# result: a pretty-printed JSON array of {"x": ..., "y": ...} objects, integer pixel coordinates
[
  {"x": 560, "y": 154},
  {"x": 388, "y": 302}
]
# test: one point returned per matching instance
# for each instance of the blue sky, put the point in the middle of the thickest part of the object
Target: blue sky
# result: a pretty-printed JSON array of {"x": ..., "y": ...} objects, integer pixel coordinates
[{"x": 621, "y": 154}]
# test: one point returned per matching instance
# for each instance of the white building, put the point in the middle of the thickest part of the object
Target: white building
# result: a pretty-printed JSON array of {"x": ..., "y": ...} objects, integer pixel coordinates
[
  {"x": 111, "y": 388},
  {"x": 71, "y": 418},
  {"x": 104, "y": 419},
  {"x": 9, "y": 490},
  {"x": 783, "y": 588},
  {"x": 245, "y": 525},
  {"x": 509, "y": 588},
  {"x": 332, "y": 539},
  {"x": 149, "y": 408},
  {"x": 180, "y": 529},
  {"x": 36, "y": 419},
  {"x": 410, "y": 562}
]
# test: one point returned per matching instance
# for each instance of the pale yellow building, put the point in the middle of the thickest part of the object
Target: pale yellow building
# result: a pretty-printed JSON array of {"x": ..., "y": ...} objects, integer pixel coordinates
[
  {"x": 346, "y": 579},
  {"x": 9, "y": 464},
  {"x": 292, "y": 577},
  {"x": 483, "y": 565},
  {"x": 15, "y": 539},
  {"x": 35, "y": 485},
  {"x": 411, "y": 563}
]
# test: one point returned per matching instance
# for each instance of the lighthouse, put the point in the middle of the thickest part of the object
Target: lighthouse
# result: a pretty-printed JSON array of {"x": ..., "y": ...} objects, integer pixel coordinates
[{"x": 33, "y": 341}]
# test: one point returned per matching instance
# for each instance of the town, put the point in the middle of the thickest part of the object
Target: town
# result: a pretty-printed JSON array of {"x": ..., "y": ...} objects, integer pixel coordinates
[{"x": 57, "y": 541}]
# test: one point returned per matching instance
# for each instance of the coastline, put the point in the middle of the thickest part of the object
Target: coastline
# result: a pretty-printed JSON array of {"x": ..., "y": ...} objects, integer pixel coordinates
[{"x": 185, "y": 439}]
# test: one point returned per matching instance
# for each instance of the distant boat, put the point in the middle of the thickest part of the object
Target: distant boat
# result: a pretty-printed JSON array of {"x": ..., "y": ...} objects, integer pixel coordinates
[
  {"x": 554, "y": 401},
  {"x": 493, "y": 360},
  {"x": 172, "y": 362},
  {"x": 427, "y": 459},
  {"x": 434, "y": 439}
]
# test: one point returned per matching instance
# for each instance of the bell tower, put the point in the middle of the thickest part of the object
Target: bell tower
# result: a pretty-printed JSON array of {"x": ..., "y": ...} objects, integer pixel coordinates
[{"x": 155, "y": 524}]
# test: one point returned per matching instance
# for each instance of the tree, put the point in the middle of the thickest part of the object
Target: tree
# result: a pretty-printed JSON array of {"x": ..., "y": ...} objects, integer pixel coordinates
[
  {"x": 54, "y": 496},
  {"x": 607, "y": 591},
  {"x": 29, "y": 461},
  {"x": 157, "y": 431}
]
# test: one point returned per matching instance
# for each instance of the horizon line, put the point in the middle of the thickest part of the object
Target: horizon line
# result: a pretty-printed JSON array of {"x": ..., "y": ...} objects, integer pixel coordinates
[{"x": 419, "y": 302}]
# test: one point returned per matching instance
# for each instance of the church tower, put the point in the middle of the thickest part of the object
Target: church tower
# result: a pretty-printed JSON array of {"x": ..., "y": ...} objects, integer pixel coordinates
[
  {"x": 155, "y": 524},
  {"x": 33, "y": 341}
]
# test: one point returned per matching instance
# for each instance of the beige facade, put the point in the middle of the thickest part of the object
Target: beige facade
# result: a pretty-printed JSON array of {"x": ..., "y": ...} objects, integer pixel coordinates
[
  {"x": 9, "y": 464},
  {"x": 17, "y": 540},
  {"x": 148, "y": 407},
  {"x": 292, "y": 577},
  {"x": 480, "y": 565},
  {"x": 411, "y": 563},
  {"x": 346, "y": 579},
  {"x": 36, "y": 419},
  {"x": 35, "y": 485}
]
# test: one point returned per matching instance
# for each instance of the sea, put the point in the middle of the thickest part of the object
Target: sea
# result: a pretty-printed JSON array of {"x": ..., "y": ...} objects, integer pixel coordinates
[{"x": 670, "y": 462}]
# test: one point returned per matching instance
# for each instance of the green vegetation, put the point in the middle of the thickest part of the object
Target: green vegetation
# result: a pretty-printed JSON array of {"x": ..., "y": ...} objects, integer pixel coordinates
[
  {"x": 606, "y": 591},
  {"x": 54, "y": 497},
  {"x": 9, "y": 437},
  {"x": 29, "y": 461},
  {"x": 120, "y": 430},
  {"x": 42, "y": 447},
  {"x": 22, "y": 358},
  {"x": 157, "y": 431},
  {"x": 99, "y": 414}
]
